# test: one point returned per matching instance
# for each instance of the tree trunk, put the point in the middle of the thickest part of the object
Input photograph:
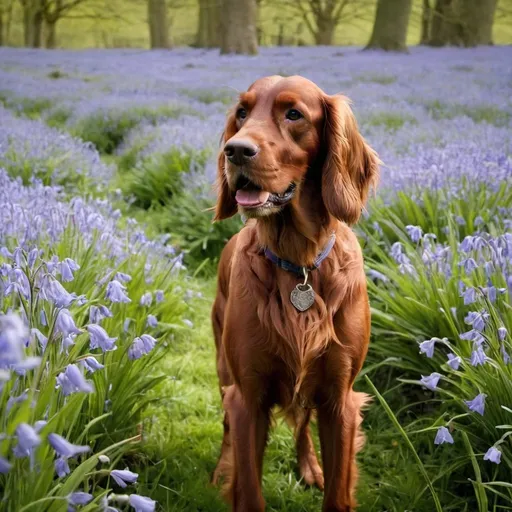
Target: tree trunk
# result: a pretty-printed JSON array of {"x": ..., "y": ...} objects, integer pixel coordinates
[
  {"x": 27, "y": 25},
  {"x": 33, "y": 17},
  {"x": 238, "y": 30},
  {"x": 7, "y": 22},
  {"x": 426, "y": 17},
  {"x": 51, "y": 34},
  {"x": 477, "y": 20},
  {"x": 158, "y": 26},
  {"x": 1, "y": 25},
  {"x": 324, "y": 35},
  {"x": 445, "y": 24},
  {"x": 390, "y": 26},
  {"x": 208, "y": 28},
  {"x": 37, "y": 31}
]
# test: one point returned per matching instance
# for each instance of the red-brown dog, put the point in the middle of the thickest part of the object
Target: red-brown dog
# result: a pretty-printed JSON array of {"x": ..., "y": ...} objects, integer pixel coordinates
[{"x": 291, "y": 317}]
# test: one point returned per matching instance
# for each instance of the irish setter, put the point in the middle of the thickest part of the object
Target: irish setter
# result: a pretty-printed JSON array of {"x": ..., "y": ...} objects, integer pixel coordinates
[{"x": 295, "y": 165}]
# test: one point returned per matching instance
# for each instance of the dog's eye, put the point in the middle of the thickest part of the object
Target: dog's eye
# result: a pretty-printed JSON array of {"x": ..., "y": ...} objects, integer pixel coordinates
[
  {"x": 293, "y": 114},
  {"x": 241, "y": 113}
]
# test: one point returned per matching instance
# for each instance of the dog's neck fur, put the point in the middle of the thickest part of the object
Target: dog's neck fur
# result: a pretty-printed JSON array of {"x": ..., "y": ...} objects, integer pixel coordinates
[{"x": 300, "y": 232}]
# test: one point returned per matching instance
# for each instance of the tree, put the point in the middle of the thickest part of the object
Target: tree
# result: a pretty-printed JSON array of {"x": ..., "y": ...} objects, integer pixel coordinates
[
  {"x": 426, "y": 16},
  {"x": 208, "y": 28},
  {"x": 53, "y": 11},
  {"x": 390, "y": 26},
  {"x": 158, "y": 24},
  {"x": 462, "y": 22},
  {"x": 322, "y": 17},
  {"x": 238, "y": 27}
]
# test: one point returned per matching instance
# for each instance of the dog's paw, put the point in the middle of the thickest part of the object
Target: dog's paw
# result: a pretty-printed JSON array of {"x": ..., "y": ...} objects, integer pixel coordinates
[{"x": 311, "y": 472}]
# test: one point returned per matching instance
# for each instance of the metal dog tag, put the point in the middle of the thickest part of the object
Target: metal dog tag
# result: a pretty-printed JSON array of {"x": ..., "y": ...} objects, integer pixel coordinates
[{"x": 302, "y": 297}]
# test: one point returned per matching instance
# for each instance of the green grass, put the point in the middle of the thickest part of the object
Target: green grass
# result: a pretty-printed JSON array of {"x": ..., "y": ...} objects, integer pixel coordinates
[
  {"x": 389, "y": 120},
  {"x": 478, "y": 113}
]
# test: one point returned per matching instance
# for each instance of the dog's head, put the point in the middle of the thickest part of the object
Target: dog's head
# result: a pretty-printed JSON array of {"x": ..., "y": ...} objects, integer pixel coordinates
[{"x": 282, "y": 131}]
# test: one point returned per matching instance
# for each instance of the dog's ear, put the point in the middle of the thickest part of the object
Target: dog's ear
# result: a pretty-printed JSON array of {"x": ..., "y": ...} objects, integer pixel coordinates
[
  {"x": 226, "y": 205},
  {"x": 351, "y": 166}
]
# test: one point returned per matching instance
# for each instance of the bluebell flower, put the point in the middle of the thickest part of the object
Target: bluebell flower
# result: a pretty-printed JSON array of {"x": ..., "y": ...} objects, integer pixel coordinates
[
  {"x": 64, "y": 448},
  {"x": 52, "y": 291},
  {"x": 142, "y": 503},
  {"x": 504, "y": 354},
  {"x": 443, "y": 436},
  {"x": 473, "y": 336},
  {"x": 72, "y": 381},
  {"x": 431, "y": 381},
  {"x": 477, "y": 319},
  {"x": 42, "y": 318},
  {"x": 141, "y": 346},
  {"x": 125, "y": 278},
  {"x": 414, "y": 232},
  {"x": 126, "y": 324},
  {"x": 493, "y": 455},
  {"x": 98, "y": 313},
  {"x": 146, "y": 299},
  {"x": 478, "y": 221},
  {"x": 469, "y": 265},
  {"x": 32, "y": 257},
  {"x": 502, "y": 333},
  {"x": 65, "y": 325},
  {"x": 18, "y": 283},
  {"x": 489, "y": 268},
  {"x": 460, "y": 220},
  {"x": 16, "y": 400},
  {"x": 28, "y": 439},
  {"x": 159, "y": 296},
  {"x": 477, "y": 404},
  {"x": 469, "y": 296},
  {"x": 100, "y": 339},
  {"x": 91, "y": 364},
  {"x": 61, "y": 467},
  {"x": 67, "y": 342},
  {"x": 13, "y": 335},
  {"x": 427, "y": 347},
  {"x": 116, "y": 292},
  {"x": 67, "y": 267},
  {"x": 40, "y": 337},
  {"x": 152, "y": 321},
  {"x": 39, "y": 425},
  {"x": 5, "y": 465},
  {"x": 454, "y": 361},
  {"x": 478, "y": 356},
  {"x": 79, "y": 498},
  {"x": 123, "y": 477}
]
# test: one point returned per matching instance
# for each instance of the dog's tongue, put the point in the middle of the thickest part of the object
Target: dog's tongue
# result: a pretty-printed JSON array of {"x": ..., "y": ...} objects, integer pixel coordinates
[{"x": 251, "y": 197}]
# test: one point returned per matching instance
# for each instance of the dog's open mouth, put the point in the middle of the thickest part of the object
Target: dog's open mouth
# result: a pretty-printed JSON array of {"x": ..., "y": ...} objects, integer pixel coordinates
[{"x": 250, "y": 195}]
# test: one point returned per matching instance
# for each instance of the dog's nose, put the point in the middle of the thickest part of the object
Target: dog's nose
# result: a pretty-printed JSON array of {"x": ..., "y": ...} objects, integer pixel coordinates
[{"x": 240, "y": 151}]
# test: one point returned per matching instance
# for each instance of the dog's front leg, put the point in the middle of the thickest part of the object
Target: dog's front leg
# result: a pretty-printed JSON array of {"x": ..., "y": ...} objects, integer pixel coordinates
[{"x": 249, "y": 424}]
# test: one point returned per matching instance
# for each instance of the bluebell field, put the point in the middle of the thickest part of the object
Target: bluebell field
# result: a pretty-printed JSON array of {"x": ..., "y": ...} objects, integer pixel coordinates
[{"x": 106, "y": 164}]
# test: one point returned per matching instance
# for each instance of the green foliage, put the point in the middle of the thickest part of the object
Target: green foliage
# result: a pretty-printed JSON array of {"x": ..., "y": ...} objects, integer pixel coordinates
[
  {"x": 478, "y": 113},
  {"x": 377, "y": 79},
  {"x": 202, "y": 240},
  {"x": 391, "y": 121},
  {"x": 210, "y": 95},
  {"x": 107, "y": 130}
]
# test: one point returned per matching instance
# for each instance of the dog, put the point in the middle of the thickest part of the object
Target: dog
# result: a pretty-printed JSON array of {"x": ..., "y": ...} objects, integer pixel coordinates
[{"x": 291, "y": 317}]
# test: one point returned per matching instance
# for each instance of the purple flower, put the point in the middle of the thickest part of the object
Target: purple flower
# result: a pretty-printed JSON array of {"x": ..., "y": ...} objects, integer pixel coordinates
[
  {"x": 64, "y": 448},
  {"x": 478, "y": 356},
  {"x": 91, "y": 364},
  {"x": 504, "y": 354},
  {"x": 473, "y": 336},
  {"x": 443, "y": 436},
  {"x": 41, "y": 338},
  {"x": 126, "y": 324},
  {"x": 125, "y": 278},
  {"x": 477, "y": 319},
  {"x": 469, "y": 265},
  {"x": 13, "y": 334},
  {"x": 502, "y": 333},
  {"x": 67, "y": 267},
  {"x": 5, "y": 465},
  {"x": 98, "y": 313},
  {"x": 427, "y": 347},
  {"x": 469, "y": 296},
  {"x": 61, "y": 467},
  {"x": 431, "y": 380},
  {"x": 65, "y": 325},
  {"x": 28, "y": 439},
  {"x": 414, "y": 232},
  {"x": 100, "y": 339},
  {"x": 42, "y": 318},
  {"x": 72, "y": 381},
  {"x": 123, "y": 477},
  {"x": 53, "y": 291},
  {"x": 146, "y": 299},
  {"x": 454, "y": 361},
  {"x": 141, "y": 346},
  {"x": 159, "y": 296},
  {"x": 142, "y": 504},
  {"x": 152, "y": 321},
  {"x": 79, "y": 498},
  {"x": 477, "y": 404},
  {"x": 116, "y": 292},
  {"x": 493, "y": 455}
]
